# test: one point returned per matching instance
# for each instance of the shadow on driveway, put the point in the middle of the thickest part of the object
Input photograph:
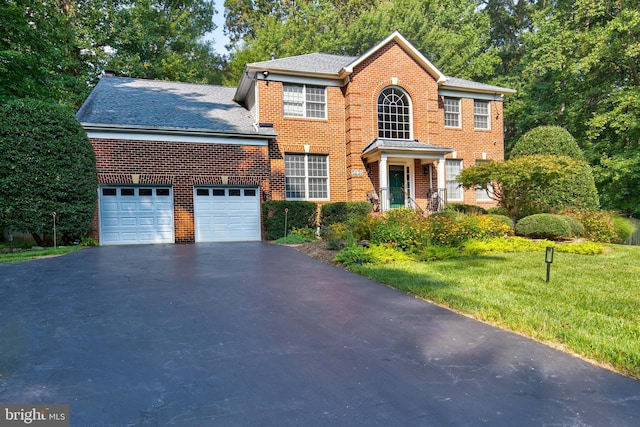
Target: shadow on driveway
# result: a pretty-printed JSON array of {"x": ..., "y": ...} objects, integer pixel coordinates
[{"x": 250, "y": 334}]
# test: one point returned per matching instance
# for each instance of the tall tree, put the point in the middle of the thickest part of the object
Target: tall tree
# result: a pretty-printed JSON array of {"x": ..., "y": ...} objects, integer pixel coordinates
[{"x": 36, "y": 42}]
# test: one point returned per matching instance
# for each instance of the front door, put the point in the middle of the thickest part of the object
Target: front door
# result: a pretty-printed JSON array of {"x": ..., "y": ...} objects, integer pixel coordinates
[{"x": 396, "y": 186}]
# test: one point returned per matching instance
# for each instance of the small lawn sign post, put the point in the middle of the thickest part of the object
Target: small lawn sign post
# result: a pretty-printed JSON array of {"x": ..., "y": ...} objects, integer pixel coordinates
[
  {"x": 54, "y": 229},
  {"x": 548, "y": 258},
  {"x": 286, "y": 212}
]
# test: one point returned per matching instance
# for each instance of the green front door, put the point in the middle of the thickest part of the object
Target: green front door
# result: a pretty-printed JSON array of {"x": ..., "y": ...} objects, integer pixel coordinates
[{"x": 396, "y": 186}]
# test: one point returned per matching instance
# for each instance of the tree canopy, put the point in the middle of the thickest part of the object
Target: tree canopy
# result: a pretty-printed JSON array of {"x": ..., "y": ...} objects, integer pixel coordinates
[{"x": 522, "y": 185}]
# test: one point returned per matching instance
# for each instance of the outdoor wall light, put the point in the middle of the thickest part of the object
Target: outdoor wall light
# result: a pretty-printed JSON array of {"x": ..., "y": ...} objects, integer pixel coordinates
[{"x": 548, "y": 258}]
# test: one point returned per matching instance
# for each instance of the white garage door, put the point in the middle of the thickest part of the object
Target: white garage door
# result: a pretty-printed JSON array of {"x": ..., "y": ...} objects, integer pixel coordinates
[
  {"x": 136, "y": 215},
  {"x": 225, "y": 214}
]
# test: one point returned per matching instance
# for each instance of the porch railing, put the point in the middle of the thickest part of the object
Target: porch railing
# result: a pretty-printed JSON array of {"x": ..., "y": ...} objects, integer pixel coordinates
[{"x": 383, "y": 201}]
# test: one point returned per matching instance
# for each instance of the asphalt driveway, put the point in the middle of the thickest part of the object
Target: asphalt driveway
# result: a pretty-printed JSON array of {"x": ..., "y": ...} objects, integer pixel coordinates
[{"x": 253, "y": 334}]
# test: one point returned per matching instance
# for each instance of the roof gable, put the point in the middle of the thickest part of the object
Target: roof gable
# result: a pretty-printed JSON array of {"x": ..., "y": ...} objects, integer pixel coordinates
[{"x": 408, "y": 47}]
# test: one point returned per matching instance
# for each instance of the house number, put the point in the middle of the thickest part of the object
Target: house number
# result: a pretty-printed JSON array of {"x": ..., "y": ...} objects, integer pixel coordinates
[{"x": 357, "y": 172}]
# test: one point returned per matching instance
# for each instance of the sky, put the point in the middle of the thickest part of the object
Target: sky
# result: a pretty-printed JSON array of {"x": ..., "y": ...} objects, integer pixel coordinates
[{"x": 220, "y": 40}]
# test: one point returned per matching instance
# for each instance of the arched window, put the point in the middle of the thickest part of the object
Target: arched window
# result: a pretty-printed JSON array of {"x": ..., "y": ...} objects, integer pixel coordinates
[{"x": 394, "y": 114}]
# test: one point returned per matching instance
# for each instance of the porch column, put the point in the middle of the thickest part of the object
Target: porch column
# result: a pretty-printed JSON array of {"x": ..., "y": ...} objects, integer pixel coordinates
[
  {"x": 442, "y": 184},
  {"x": 383, "y": 177}
]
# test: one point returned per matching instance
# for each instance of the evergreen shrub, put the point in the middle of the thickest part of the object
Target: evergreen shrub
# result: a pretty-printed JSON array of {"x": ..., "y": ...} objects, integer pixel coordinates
[
  {"x": 301, "y": 214},
  {"x": 545, "y": 226},
  {"x": 330, "y": 213}
]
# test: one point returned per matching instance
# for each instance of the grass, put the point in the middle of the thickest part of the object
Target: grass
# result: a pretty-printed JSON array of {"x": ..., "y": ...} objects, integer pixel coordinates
[
  {"x": 591, "y": 306},
  {"x": 27, "y": 255}
]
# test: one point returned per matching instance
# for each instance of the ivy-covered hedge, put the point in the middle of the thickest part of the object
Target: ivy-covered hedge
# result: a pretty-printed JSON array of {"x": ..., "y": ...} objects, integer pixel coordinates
[
  {"x": 47, "y": 165},
  {"x": 301, "y": 215},
  {"x": 332, "y": 213}
]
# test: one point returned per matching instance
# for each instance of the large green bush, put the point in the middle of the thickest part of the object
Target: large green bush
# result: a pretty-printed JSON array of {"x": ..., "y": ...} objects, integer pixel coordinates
[
  {"x": 332, "y": 213},
  {"x": 47, "y": 164},
  {"x": 576, "y": 190},
  {"x": 545, "y": 226},
  {"x": 552, "y": 140},
  {"x": 301, "y": 214}
]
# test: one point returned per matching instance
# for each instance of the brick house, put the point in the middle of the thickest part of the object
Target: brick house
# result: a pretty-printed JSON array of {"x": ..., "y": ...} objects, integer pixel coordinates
[{"x": 182, "y": 163}]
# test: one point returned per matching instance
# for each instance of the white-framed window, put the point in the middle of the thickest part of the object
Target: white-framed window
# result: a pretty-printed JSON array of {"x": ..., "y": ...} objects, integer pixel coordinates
[
  {"x": 455, "y": 192},
  {"x": 481, "y": 114},
  {"x": 304, "y": 101},
  {"x": 452, "y": 113},
  {"x": 306, "y": 176},
  {"x": 394, "y": 114}
]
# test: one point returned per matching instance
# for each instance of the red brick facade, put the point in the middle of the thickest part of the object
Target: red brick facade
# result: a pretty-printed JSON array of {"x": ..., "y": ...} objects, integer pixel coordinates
[
  {"x": 350, "y": 126},
  {"x": 181, "y": 165}
]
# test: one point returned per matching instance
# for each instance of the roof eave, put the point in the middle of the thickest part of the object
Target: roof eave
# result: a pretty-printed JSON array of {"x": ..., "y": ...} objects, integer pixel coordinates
[
  {"x": 97, "y": 127},
  {"x": 491, "y": 91}
]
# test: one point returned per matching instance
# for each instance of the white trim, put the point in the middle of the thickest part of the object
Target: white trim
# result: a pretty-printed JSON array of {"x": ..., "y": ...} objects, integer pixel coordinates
[
  {"x": 160, "y": 137},
  {"x": 300, "y": 80},
  {"x": 471, "y": 94}
]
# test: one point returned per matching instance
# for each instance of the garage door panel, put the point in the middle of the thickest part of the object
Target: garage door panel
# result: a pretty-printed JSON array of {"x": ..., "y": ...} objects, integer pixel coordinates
[
  {"x": 226, "y": 214},
  {"x": 135, "y": 216}
]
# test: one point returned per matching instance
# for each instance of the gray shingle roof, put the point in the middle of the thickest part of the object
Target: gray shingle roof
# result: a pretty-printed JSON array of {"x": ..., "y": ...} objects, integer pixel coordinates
[
  {"x": 404, "y": 144},
  {"x": 454, "y": 82},
  {"x": 122, "y": 102},
  {"x": 312, "y": 62}
]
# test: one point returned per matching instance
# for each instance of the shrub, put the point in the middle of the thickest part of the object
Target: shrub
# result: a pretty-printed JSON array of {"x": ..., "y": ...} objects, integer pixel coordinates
[
  {"x": 452, "y": 230},
  {"x": 552, "y": 140},
  {"x": 544, "y": 226},
  {"x": 375, "y": 254},
  {"x": 363, "y": 226},
  {"x": 570, "y": 190},
  {"x": 354, "y": 255},
  {"x": 293, "y": 238},
  {"x": 577, "y": 229},
  {"x": 499, "y": 210},
  {"x": 598, "y": 225},
  {"x": 47, "y": 164},
  {"x": 624, "y": 228},
  {"x": 464, "y": 208},
  {"x": 331, "y": 213},
  {"x": 494, "y": 226},
  {"x": 402, "y": 228},
  {"x": 519, "y": 244},
  {"x": 437, "y": 253},
  {"x": 301, "y": 215},
  {"x": 307, "y": 233}
]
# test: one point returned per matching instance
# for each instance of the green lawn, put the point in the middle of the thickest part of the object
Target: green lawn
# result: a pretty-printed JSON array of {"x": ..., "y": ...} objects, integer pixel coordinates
[
  {"x": 26, "y": 255},
  {"x": 591, "y": 306}
]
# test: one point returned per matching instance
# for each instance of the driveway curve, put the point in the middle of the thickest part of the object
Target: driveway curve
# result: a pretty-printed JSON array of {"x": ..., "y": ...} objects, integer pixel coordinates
[{"x": 254, "y": 334}]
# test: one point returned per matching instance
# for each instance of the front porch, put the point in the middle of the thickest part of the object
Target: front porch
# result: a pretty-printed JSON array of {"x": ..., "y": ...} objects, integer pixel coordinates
[{"x": 406, "y": 173}]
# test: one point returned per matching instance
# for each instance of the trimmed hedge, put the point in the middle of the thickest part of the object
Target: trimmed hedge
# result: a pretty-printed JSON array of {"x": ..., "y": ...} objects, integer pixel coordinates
[
  {"x": 332, "y": 213},
  {"x": 546, "y": 226},
  {"x": 301, "y": 215}
]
